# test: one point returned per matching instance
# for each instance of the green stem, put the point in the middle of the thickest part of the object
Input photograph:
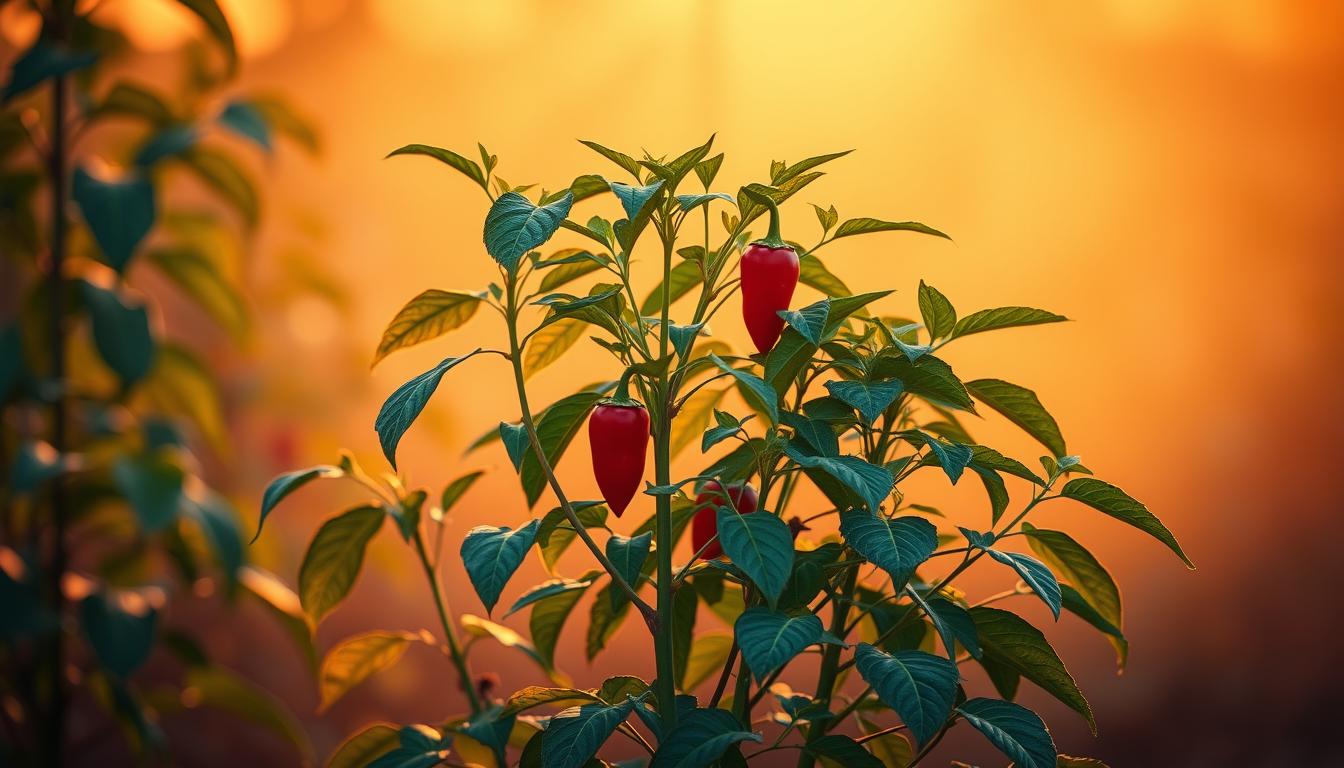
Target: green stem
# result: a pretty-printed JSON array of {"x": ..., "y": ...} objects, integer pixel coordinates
[
  {"x": 665, "y": 685},
  {"x": 515, "y": 358},
  {"x": 830, "y": 662},
  {"x": 454, "y": 647}
]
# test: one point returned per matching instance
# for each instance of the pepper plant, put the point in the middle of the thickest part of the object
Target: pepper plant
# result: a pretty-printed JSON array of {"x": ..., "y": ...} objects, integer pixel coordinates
[
  {"x": 106, "y": 518},
  {"x": 838, "y": 395}
]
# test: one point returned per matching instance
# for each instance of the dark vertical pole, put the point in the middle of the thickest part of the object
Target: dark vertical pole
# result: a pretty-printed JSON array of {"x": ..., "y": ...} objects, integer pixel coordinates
[{"x": 57, "y": 173}]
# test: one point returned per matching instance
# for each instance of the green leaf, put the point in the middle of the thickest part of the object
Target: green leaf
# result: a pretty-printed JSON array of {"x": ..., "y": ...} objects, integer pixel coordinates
[
  {"x": 1079, "y": 568},
  {"x": 706, "y": 170},
  {"x": 1002, "y": 317},
  {"x": 727, "y": 426},
  {"x": 927, "y": 377},
  {"x": 456, "y": 489},
  {"x": 360, "y": 749},
  {"x": 400, "y": 410},
  {"x": 179, "y": 385},
  {"x": 628, "y": 555},
  {"x": 690, "y": 202},
  {"x": 619, "y": 158},
  {"x": 836, "y": 749},
  {"x": 281, "y": 118},
  {"x": 939, "y": 315},
  {"x": 418, "y": 747},
  {"x": 770, "y": 639},
  {"x": 221, "y": 173},
  {"x": 534, "y": 696},
  {"x": 152, "y": 483},
  {"x": 762, "y": 395},
  {"x": 569, "y": 264},
  {"x": 814, "y": 274},
  {"x": 635, "y": 200},
  {"x": 491, "y": 555},
  {"x": 1035, "y": 574},
  {"x": 555, "y": 534},
  {"x": 818, "y": 434},
  {"x": 896, "y": 546},
  {"x": 218, "y": 25},
  {"x": 810, "y": 321},
  {"x": 709, "y": 652},
  {"x": 700, "y": 739},
  {"x": 918, "y": 685},
  {"x": 247, "y": 121},
  {"x": 121, "y": 640},
  {"x": 478, "y": 627},
  {"x": 288, "y": 483},
  {"x": 119, "y": 213},
  {"x": 355, "y": 659},
  {"x": 870, "y": 398},
  {"x": 1015, "y": 730},
  {"x": 556, "y": 428},
  {"x": 334, "y": 558},
  {"x": 516, "y": 442},
  {"x": 1075, "y": 604},
  {"x": 462, "y": 165},
  {"x": 515, "y": 226},
  {"x": 574, "y": 735},
  {"x": 953, "y": 624},
  {"x": 42, "y": 62},
  {"x": 863, "y": 226},
  {"x": 1007, "y": 638},
  {"x": 1108, "y": 499},
  {"x": 1020, "y": 406},
  {"x": 549, "y": 614},
  {"x": 683, "y": 277},
  {"x": 790, "y": 172},
  {"x": 170, "y": 140},
  {"x": 761, "y": 545},
  {"x": 551, "y": 588},
  {"x": 683, "y": 336},
  {"x": 550, "y": 343},
  {"x": 120, "y": 332},
  {"x": 871, "y": 482},
  {"x": 427, "y": 316}
]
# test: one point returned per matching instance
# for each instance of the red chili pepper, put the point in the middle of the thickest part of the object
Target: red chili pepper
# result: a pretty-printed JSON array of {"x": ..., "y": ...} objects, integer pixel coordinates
[
  {"x": 618, "y": 434},
  {"x": 769, "y": 276},
  {"x": 705, "y": 524}
]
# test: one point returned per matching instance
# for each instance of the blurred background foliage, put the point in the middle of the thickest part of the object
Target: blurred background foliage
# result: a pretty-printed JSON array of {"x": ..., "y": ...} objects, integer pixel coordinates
[
  {"x": 122, "y": 548},
  {"x": 1160, "y": 170}
]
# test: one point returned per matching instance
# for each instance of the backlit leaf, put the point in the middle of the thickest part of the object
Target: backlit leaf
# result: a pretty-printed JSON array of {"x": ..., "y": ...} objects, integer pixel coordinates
[
  {"x": 427, "y": 316},
  {"x": 355, "y": 659},
  {"x": 334, "y": 558},
  {"x": 1108, "y": 499},
  {"x": 1020, "y": 406}
]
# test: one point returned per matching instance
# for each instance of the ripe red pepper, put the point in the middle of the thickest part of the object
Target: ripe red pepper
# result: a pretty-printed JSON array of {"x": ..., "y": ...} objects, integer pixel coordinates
[
  {"x": 769, "y": 276},
  {"x": 618, "y": 435},
  {"x": 705, "y": 524}
]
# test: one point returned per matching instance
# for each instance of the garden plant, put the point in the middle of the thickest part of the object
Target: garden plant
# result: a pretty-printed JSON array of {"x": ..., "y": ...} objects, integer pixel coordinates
[
  {"x": 108, "y": 520},
  {"x": 833, "y": 393}
]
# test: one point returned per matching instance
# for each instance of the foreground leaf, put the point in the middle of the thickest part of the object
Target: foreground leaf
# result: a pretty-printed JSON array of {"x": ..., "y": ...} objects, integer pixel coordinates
[
  {"x": 491, "y": 555},
  {"x": 1020, "y": 406},
  {"x": 573, "y": 736},
  {"x": 896, "y": 546},
  {"x": 1008, "y": 639},
  {"x": 1003, "y": 317},
  {"x": 700, "y": 738},
  {"x": 288, "y": 483},
  {"x": 355, "y": 659},
  {"x": 405, "y": 404},
  {"x": 360, "y": 749},
  {"x": 761, "y": 545},
  {"x": 1015, "y": 730},
  {"x": 427, "y": 316},
  {"x": 918, "y": 685},
  {"x": 770, "y": 639},
  {"x": 1108, "y": 499},
  {"x": 334, "y": 558},
  {"x": 515, "y": 226}
]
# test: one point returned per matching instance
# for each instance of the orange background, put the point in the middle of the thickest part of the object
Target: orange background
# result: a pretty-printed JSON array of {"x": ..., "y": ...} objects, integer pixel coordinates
[{"x": 1166, "y": 174}]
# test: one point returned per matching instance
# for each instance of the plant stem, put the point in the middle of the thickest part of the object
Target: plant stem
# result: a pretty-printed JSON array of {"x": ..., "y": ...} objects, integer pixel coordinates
[
  {"x": 665, "y": 684},
  {"x": 55, "y": 717},
  {"x": 515, "y": 357},
  {"x": 830, "y": 661},
  {"x": 723, "y": 676},
  {"x": 454, "y": 647}
]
